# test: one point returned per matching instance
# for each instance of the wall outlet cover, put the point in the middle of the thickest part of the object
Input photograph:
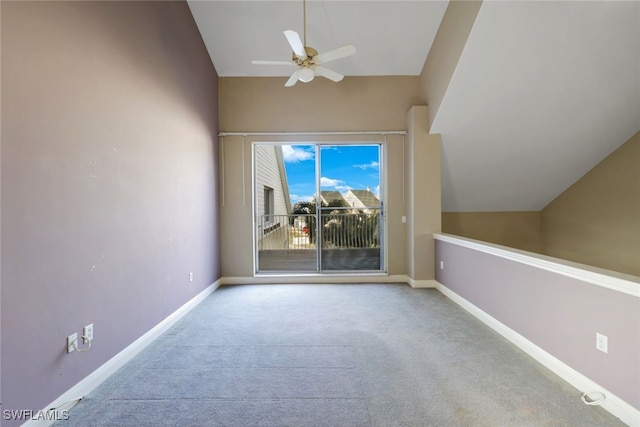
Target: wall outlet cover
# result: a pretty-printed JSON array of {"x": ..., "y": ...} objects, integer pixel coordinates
[
  {"x": 71, "y": 339},
  {"x": 87, "y": 332},
  {"x": 602, "y": 343}
]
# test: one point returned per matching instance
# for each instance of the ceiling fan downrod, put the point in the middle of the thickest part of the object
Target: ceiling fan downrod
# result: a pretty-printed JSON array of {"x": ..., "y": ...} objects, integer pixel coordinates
[{"x": 304, "y": 22}]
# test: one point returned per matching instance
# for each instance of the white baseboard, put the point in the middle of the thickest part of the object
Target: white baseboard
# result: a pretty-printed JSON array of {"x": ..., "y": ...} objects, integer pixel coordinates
[
  {"x": 421, "y": 284},
  {"x": 97, "y": 377},
  {"x": 316, "y": 279},
  {"x": 328, "y": 279},
  {"x": 616, "y": 406}
]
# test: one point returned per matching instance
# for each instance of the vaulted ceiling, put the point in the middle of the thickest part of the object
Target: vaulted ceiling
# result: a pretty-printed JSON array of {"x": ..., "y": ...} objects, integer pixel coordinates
[
  {"x": 392, "y": 37},
  {"x": 541, "y": 93}
]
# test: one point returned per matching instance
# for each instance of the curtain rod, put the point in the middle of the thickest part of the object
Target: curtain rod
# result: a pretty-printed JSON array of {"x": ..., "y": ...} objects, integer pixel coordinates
[{"x": 386, "y": 132}]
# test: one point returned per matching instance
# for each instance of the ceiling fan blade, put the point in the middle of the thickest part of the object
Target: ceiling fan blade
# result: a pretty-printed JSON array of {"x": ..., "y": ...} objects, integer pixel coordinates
[
  {"x": 292, "y": 80},
  {"x": 329, "y": 74},
  {"x": 296, "y": 44},
  {"x": 332, "y": 55},
  {"x": 261, "y": 62}
]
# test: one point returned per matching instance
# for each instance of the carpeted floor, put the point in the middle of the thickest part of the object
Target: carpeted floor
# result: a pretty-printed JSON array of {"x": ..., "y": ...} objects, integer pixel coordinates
[{"x": 333, "y": 355}]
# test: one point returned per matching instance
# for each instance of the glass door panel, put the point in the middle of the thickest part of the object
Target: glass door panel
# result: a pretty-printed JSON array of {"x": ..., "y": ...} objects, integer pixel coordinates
[
  {"x": 285, "y": 182},
  {"x": 351, "y": 208}
]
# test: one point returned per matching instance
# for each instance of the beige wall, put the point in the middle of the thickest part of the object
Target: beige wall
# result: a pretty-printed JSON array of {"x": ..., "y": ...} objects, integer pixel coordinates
[
  {"x": 446, "y": 51},
  {"x": 521, "y": 230},
  {"x": 265, "y": 105},
  {"x": 262, "y": 104},
  {"x": 597, "y": 220},
  {"x": 422, "y": 195}
]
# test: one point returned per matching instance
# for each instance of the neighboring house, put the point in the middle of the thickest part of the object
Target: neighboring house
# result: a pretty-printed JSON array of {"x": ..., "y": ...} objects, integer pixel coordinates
[
  {"x": 329, "y": 196},
  {"x": 272, "y": 197},
  {"x": 362, "y": 199}
]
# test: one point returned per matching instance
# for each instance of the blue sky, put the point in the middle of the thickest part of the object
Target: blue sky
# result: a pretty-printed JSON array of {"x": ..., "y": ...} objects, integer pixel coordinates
[{"x": 344, "y": 167}]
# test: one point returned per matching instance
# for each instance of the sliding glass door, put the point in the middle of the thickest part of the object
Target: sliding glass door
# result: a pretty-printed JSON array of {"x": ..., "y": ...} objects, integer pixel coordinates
[
  {"x": 318, "y": 207},
  {"x": 350, "y": 209}
]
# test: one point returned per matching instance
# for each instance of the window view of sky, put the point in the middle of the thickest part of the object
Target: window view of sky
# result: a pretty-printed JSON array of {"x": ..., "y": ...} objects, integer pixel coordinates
[{"x": 344, "y": 167}]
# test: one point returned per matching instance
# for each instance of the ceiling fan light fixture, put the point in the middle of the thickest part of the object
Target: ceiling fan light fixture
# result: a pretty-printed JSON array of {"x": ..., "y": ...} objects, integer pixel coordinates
[
  {"x": 305, "y": 75},
  {"x": 307, "y": 59}
]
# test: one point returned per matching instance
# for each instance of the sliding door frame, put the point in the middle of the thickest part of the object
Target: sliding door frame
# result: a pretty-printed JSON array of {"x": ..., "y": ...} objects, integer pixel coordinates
[{"x": 318, "y": 143}]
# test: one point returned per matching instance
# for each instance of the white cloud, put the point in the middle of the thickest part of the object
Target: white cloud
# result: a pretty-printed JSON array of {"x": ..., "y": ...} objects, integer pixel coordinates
[
  {"x": 334, "y": 183},
  {"x": 377, "y": 191},
  {"x": 372, "y": 165},
  {"x": 328, "y": 182},
  {"x": 294, "y": 155}
]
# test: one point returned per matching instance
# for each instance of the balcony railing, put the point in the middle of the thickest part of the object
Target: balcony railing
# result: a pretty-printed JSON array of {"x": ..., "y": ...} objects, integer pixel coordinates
[{"x": 339, "y": 228}]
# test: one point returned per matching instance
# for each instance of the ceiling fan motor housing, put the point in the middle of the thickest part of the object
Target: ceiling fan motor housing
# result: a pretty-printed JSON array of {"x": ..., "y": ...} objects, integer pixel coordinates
[{"x": 311, "y": 53}]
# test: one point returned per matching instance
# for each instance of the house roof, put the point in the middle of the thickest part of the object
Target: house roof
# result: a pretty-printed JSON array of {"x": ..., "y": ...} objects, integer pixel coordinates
[
  {"x": 366, "y": 197},
  {"x": 328, "y": 196}
]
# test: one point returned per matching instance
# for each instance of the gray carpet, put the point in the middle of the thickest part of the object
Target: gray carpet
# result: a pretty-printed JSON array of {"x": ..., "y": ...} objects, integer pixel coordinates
[{"x": 333, "y": 355}]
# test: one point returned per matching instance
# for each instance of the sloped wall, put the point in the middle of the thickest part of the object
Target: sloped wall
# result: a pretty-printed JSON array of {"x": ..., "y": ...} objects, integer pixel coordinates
[
  {"x": 596, "y": 221},
  {"x": 109, "y": 183}
]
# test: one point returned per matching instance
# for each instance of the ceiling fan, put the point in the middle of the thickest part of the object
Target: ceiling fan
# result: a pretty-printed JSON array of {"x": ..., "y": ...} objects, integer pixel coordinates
[{"x": 307, "y": 59}]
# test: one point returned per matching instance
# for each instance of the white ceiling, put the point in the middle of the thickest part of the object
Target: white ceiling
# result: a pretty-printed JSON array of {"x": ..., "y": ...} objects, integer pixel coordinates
[
  {"x": 391, "y": 37},
  {"x": 543, "y": 90}
]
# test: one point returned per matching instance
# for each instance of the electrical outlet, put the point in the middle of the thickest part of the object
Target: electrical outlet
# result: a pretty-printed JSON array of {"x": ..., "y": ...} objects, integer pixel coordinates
[
  {"x": 88, "y": 333},
  {"x": 404, "y": 219},
  {"x": 602, "y": 343},
  {"x": 441, "y": 265},
  {"x": 191, "y": 277},
  {"x": 71, "y": 339}
]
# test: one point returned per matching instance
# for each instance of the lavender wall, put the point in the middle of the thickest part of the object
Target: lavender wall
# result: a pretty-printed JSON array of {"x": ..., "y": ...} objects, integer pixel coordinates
[
  {"x": 109, "y": 182},
  {"x": 559, "y": 314}
]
